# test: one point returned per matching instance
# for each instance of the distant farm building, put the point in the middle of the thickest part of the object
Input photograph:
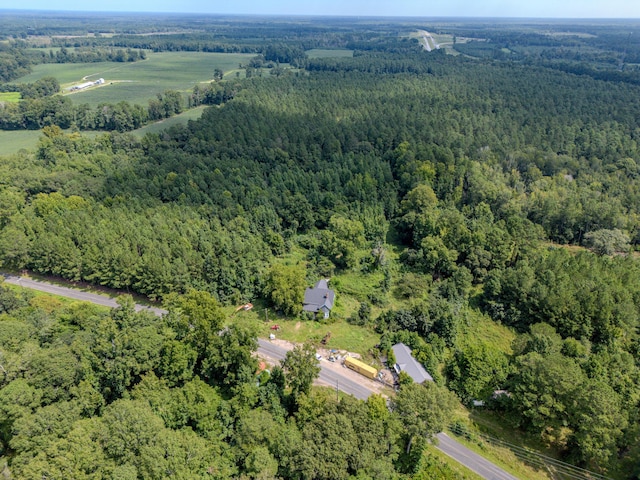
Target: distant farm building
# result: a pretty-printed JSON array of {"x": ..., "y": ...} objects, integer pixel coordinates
[
  {"x": 319, "y": 299},
  {"x": 84, "y": 85},
  {"x": 406, "y": 363}
]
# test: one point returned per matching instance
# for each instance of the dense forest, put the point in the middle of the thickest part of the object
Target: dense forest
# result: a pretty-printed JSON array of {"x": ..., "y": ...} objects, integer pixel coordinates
[
  {"x": 472, "y": 186},
  {"x": 94, "y": 394}
]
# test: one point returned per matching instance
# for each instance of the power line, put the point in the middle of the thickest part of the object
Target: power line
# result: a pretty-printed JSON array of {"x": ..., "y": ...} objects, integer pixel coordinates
[{"x": 536, "y": 459}]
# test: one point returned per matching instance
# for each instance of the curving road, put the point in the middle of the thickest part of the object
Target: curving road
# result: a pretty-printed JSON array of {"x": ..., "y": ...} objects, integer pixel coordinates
[
  {"x": 72, "y": 293},
  {"x": 447, "y": 445}
]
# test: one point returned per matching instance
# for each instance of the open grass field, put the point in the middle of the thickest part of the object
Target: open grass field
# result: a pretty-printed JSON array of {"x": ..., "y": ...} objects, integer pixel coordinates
[
  {"x": 184, "y": 117},
  {"x": 14, "y": 141},
  {"x": 329, "y": 53},
  {"x": 9, "y": 96},
  {"x": 138, "y": 82},
  {"x": 67, "y": 73}
]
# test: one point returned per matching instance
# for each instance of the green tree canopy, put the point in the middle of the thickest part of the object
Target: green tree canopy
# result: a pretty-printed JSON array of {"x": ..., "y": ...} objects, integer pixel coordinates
[
  {"x": 284, "y": 287},
  {"x": 301, "y": 368}
]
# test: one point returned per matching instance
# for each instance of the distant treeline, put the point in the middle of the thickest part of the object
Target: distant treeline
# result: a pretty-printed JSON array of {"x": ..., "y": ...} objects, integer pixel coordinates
[
  {"x": 16, "y": 61},
  {"x": 163, "y": 43},
  {"x": 90, "y": 55}
]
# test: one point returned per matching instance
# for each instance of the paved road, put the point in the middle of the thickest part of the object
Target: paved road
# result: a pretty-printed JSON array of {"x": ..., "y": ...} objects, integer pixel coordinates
[
  {"x": 328, "y": 376},
  {"x": 471, "y": 460},
  {"x": 73, "y": 293},
  {"x": 448, "y": 445}
]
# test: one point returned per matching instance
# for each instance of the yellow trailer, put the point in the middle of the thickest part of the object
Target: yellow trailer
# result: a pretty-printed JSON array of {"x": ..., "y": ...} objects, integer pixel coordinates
[{"x": 360, "y": 367}]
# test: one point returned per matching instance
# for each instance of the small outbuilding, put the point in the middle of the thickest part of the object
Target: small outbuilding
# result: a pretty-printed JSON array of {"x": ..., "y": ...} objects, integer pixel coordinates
[
  {"x": 320, "y": 298},
  {"x": 406, "y": 363}
]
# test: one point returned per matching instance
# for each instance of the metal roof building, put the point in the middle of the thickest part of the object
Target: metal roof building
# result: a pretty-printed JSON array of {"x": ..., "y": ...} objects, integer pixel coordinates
[
  {"x": 319, "y": 298},
  {"x": 406, "y": 363}
]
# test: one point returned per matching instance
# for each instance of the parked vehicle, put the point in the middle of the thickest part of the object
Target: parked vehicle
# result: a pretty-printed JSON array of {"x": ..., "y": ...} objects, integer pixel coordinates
[{"x": 360, "y": 367}]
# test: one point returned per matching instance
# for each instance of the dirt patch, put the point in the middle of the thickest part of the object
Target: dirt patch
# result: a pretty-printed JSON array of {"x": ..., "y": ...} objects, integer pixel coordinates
[
  {"x": 374, "y": 385},
  {"x": 297, "y": 327},
  {"x": 283, "y": 343}
]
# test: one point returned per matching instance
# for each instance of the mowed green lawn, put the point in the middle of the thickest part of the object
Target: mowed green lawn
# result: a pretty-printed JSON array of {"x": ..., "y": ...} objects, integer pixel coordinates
[{"x": 138, "y": 82}]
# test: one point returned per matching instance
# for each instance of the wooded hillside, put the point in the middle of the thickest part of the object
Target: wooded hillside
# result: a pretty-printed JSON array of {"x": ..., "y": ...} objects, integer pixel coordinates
[{"x": 472, "y": 188}]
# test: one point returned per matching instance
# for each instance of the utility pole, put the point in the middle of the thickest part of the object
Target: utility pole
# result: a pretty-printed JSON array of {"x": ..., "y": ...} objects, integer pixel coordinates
[{"x": 266, "y": 316}]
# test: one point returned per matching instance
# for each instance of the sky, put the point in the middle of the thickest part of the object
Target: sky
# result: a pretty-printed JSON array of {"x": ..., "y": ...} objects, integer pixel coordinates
[{"x": 419, "y": 8}]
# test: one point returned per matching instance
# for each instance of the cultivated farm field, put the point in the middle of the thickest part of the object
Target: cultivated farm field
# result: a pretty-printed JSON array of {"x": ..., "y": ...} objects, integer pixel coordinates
[{"x": 137, "y": 82}]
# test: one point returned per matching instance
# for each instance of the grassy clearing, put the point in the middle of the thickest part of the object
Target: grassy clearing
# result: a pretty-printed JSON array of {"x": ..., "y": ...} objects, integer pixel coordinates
[
  {"x": 67, "y": 73},
  {"x": 40, "y": 298},
  {"x": 137, "y": 82},
  {"x": 343, "y": 335},
  {"x": 12, "y": 141},
  {"x": 568, "y": 34},
  {"x": 492, "y": 424},
  {"x": 329, "y": 53},
  {"x": 443, "y": 39},
  {"x": 482, "y": 330},
  {"x": 357, "y": 284},
  {"x": 183, "y": 118},
  {"x": 13, "y": 97}
]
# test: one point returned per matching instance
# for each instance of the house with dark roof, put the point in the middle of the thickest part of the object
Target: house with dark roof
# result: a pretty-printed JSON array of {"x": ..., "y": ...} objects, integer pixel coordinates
[
  {"x": 319, "y": 299},
  {"x": 406, "y": 363}
]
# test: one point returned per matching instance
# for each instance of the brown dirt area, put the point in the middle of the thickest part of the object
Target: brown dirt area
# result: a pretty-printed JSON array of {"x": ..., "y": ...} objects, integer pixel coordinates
[{"x": 374, "y": 385}]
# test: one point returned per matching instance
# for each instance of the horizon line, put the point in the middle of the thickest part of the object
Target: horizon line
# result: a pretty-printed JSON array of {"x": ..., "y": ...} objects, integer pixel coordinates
[{"x": 314, "y": 15}]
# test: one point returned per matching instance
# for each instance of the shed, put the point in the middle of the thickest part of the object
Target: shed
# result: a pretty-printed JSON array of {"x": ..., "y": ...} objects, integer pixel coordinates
[{"x": 406, "y": 363}]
